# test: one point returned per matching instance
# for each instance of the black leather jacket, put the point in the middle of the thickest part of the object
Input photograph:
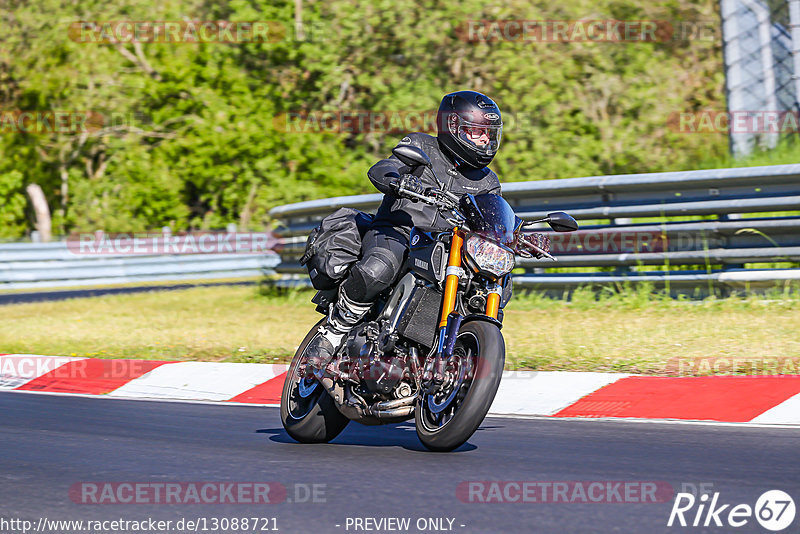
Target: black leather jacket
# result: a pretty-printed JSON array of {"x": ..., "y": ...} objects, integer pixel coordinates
[{"x": 402, "y": 213}]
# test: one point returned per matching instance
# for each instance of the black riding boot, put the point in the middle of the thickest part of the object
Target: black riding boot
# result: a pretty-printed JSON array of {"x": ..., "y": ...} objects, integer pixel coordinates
[{"x": 343, "y": 316}]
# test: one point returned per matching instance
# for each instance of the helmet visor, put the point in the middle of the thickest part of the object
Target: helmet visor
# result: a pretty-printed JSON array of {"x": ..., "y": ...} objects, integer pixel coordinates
[{"x": 481, "y": 138}]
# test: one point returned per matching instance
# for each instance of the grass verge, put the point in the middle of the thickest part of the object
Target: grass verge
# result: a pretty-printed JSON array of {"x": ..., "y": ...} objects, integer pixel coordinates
[{"x": 632, "y": 331}]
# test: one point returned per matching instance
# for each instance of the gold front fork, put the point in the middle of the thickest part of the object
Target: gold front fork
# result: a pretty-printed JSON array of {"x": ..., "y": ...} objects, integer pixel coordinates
[
  {"x": 451, "y": 282},
  {"x": 492, "y": 304}
]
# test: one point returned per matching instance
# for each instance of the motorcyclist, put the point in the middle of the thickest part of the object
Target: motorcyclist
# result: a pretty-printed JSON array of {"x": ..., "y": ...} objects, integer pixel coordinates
[{"x": 469, "y": 128}]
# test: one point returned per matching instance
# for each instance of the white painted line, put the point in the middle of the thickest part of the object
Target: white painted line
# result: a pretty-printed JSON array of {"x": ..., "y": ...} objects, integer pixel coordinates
[
  {"x": 545, "y": 393},
  {"x": 145, "y": 399},
  {"x": 786, "y": 412},
  {"x": 496, "y": 415},
  {"x": 645, "y": 421},
  {"x": 199, "y": 380}
]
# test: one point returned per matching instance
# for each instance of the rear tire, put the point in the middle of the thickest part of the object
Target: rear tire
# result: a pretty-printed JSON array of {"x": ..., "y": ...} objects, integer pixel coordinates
[
  {"x": 308, "y": 413},
  {"x": 444, "y": 425}
]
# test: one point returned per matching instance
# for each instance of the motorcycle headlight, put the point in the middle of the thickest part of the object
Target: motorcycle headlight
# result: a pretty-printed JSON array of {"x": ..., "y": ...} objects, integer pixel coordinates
[{"x": 490, "y": 257}]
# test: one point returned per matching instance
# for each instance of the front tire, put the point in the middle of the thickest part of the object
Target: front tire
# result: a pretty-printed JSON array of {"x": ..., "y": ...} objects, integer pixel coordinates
[
  {"x": 308, "y": 413},
  {"x": 445, "y": 421}
]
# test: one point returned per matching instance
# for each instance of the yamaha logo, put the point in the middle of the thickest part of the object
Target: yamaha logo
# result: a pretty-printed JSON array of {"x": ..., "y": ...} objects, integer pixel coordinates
[
  {"x": 415, "y": 240},
  {"x": 491, "y": 116}
]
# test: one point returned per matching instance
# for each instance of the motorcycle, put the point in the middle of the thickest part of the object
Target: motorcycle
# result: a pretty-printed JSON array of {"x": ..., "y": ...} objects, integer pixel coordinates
[{"x": 431, "y": 347}]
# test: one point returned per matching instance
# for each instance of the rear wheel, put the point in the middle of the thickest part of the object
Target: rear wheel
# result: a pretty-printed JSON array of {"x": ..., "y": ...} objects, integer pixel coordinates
[
  {"x": 308, "y": 413},
  {"x": 447, "y": 419}
]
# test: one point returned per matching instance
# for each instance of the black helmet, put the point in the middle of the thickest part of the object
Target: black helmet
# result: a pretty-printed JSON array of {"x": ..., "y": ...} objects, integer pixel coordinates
[{"x": 470, "y": 127}]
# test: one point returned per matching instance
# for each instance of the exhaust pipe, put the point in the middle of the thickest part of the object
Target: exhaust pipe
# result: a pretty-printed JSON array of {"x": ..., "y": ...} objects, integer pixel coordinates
[
  {"x": 394, "y": 408},
  {"x": 402, "y": 411},
  {"x": 355, "y": 408},
  {"x": 395, "y": 403}
]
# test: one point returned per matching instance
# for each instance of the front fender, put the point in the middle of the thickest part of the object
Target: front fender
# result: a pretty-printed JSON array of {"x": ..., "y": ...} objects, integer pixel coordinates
[{"x": 482, "y": 317}]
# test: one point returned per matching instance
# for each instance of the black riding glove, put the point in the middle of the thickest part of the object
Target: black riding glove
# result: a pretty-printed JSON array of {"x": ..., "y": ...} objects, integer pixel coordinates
[
  {"x": 541, "y": 241},
  {"x": 409, "y": 182}
]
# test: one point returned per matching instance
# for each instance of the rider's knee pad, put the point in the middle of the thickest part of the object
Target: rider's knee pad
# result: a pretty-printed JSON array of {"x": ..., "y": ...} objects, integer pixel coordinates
[{"x": 374, "y": 273}]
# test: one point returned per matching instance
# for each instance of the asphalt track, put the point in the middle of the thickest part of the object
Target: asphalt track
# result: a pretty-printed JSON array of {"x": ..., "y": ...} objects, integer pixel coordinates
[{"x": 48, "y": 443}]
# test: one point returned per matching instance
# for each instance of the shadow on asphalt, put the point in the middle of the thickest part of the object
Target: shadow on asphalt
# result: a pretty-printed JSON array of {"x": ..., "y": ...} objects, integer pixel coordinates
[{"x": 397, "y": 435}]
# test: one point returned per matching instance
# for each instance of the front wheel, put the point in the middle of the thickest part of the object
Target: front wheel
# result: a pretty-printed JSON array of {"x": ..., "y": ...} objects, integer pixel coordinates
[
  {"x": 308, "y": 413},
  {"x": 447, "y": 419}
]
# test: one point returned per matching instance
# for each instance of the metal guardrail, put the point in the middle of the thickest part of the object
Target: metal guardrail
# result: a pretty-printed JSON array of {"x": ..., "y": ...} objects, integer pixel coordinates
[
  {"x": 56, "y": 265},
  {"x": 719, "y": 248}
]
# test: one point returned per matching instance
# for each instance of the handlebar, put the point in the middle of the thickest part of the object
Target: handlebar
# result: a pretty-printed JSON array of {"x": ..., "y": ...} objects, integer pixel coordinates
[
  {"x": 443, "y": 200},
  {"x": 411, "y": 194},
  {"x": 530, "y": 249},
  {"x": 438, "y": 197},
  {"x": 447, "y": 201}
]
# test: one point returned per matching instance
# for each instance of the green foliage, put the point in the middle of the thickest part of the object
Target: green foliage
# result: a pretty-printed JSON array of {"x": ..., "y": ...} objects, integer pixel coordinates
[
  {"x": 197, "y": 138},
  {"x": 787, "y": 152},
  {"x": 13, "y": 212}
]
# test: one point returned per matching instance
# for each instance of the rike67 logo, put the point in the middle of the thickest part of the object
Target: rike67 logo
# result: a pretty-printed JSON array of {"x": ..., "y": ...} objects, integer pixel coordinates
[{"x": 774, "y": 510}]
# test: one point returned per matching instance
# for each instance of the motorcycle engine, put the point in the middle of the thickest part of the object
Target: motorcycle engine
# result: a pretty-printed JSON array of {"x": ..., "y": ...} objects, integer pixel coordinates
[{"x": 380, "y": 373}]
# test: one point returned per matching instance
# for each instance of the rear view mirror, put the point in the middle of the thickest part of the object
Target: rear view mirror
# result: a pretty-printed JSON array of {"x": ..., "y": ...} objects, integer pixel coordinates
[
  {"x": 561, "y": 222},
  {"x": 411, "y": 156}
]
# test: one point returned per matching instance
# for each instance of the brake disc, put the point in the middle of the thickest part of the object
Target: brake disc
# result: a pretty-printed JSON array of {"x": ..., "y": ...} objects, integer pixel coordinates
[{"x": 438, "y": 407}]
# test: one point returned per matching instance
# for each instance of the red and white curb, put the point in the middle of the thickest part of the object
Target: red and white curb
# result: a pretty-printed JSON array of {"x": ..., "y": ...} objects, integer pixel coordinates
[
  {"x": 143, "y": 379},
  {"x": 734, "y": 399}
]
